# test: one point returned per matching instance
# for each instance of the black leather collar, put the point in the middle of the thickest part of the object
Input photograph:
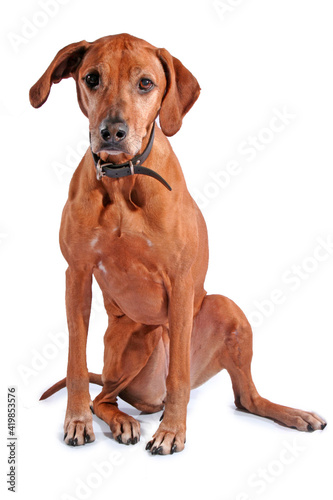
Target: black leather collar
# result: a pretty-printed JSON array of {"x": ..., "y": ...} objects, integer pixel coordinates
[{"x": 131, "y": 167}]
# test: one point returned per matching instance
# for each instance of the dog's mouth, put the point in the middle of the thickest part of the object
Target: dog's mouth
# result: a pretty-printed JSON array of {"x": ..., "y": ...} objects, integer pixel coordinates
[
  {"x": 111, "y": 153},
  {"x": 111, "y": 150}
]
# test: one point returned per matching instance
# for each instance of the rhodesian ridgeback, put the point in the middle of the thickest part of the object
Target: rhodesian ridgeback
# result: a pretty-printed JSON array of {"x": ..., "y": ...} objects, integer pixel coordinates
[{"x": 131, "y": 223}]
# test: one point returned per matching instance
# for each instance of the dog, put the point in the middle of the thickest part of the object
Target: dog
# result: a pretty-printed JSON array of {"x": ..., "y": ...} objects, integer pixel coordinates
[{"x": 130, "y": 222}]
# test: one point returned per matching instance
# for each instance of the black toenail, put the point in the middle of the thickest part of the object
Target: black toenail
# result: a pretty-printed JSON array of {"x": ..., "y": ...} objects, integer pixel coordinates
[
  {"x": 323, "y": 426},
  {"x": 119, "y": 439},
  {"x": 162, "y": 417},
  {"x": 134, "y": 440},
  {"x": 65, "y": 436},
  {"x": 71, "y": 442},
  {"x": 310, "y": 428},
  {"x": 149, "y": 445},
  {"x": 86, "y": 438},
  {"x": 159, "y": 451},
  {"x": 173, "y": 449}
]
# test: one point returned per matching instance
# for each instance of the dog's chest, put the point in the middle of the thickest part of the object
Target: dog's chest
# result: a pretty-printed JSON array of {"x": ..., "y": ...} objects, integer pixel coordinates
[{"x": 129, "y": 268}]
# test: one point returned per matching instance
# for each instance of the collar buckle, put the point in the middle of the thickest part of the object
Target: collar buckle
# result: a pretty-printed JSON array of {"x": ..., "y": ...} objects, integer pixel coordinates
[{"x": 99, "y": 171}]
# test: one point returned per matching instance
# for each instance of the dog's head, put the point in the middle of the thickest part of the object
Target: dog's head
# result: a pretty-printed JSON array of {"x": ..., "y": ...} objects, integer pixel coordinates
[{"x": 123, "y": 83}]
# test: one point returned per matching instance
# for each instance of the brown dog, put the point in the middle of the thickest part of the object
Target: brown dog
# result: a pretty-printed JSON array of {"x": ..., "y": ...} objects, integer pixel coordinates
[{"x": 147, "y": 248}]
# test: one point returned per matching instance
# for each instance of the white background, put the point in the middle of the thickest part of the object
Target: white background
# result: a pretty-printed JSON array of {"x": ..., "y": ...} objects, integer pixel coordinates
[{"x": 255, "y": 57}]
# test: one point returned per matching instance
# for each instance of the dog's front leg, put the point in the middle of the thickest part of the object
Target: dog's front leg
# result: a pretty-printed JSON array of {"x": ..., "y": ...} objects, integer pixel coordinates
[
  {"x": 78, "y": 427},
  {"x": 170, "y": 436}
]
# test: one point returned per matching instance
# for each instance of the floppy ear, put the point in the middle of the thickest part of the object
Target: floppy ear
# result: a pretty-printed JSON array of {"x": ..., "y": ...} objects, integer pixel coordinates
[
  {"x": 63, "y": 66},
  {"x": 181, "y": 93}
]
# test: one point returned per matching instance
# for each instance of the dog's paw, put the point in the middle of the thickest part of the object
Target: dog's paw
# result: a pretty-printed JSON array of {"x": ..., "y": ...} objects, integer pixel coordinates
[
  {"x": 167, "y": 440},
  {"x": 125, "y": 429},
  {"x": 306, "y": 421},
  {"x": 78, "y": 429}
]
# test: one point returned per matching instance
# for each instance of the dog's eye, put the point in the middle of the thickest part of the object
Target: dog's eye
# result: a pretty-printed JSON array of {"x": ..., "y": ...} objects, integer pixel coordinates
[
  {"x": 145, "y": 84},
  {"x": 92, "y": 80}
]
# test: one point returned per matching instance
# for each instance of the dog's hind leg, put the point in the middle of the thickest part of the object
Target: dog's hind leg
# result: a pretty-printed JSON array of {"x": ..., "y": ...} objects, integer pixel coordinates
[
  {"x": 222, "y": 338},
  {"x": 128, "y": 347}
]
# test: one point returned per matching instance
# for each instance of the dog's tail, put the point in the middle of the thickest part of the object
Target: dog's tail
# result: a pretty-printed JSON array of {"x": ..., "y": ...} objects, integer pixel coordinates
[{"x": 94, "y": 378}]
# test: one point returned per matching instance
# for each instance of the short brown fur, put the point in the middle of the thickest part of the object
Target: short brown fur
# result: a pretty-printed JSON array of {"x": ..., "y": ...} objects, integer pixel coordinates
[{"x": 147, "y": 248}]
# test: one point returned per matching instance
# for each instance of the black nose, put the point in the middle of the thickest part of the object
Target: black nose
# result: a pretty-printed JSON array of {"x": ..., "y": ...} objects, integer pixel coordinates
[{"x": 113, "y": 132}]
